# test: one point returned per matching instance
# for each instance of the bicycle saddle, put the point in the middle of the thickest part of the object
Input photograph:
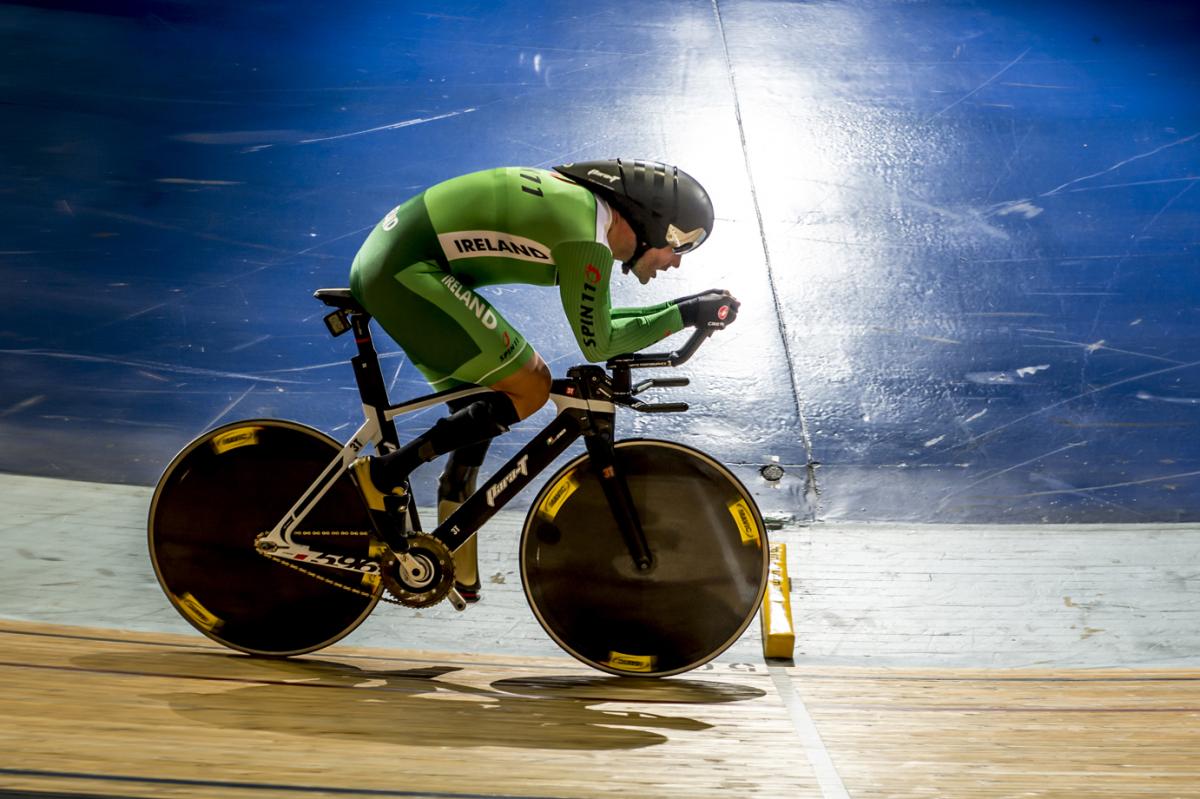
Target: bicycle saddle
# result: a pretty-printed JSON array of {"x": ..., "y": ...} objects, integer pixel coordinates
[{"x": 339, "y": 298}]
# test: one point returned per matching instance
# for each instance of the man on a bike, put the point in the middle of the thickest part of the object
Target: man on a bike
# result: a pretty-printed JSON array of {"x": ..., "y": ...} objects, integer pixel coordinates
[{"x": 418, "y": 270}]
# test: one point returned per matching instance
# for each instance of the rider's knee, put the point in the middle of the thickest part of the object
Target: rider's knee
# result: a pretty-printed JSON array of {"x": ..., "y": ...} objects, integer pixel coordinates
[
  {"x": 539, "y": 390},
  {"x": 529, "y": 388}
]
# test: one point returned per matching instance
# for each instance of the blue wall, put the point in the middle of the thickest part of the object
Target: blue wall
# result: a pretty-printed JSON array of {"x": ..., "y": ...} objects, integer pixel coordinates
[{"x": 964, "y": 233}]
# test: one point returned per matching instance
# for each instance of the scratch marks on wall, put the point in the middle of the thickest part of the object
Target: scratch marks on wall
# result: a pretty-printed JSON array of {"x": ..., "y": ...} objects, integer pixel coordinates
[
  {"x": 1120, "y": 164},
  {"x": 981, "y": 86},
  {"x": 393, "y": 126},
  {"x": 1085, "y": 489},
  {"x": 1148, "y": 397}
]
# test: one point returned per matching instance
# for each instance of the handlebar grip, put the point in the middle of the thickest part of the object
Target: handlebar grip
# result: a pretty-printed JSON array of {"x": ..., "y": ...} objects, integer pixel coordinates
[{"x": 661, "y": 407}]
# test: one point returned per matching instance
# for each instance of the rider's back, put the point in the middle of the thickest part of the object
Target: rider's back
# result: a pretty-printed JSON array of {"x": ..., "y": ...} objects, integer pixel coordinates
[
  {"x": 503, "y": 225},
  {"x": 491, "y": 227}
]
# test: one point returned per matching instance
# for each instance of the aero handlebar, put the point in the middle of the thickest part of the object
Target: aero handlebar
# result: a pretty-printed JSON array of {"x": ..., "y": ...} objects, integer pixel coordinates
[
  {"x": 652, "y": 360},
  {"x": 624, "y": 392}
]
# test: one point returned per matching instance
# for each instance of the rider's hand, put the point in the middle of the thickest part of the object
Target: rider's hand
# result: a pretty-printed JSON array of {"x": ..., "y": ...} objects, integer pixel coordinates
[{"x": 714, "y": 309}]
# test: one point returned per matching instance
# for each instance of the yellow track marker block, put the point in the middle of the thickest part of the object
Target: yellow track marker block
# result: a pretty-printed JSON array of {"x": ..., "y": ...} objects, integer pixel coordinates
[{"x": 778, "y": 635}]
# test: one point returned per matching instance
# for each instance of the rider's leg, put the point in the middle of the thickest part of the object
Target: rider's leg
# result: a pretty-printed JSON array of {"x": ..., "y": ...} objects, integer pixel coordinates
[
  {"x": 486, "y": 417},
  {"x": 454, "y": 337},
  {"x": 480, "y": 418},
  {"x": 528, "y": 389},
  {"x": 456, "y": 484}
]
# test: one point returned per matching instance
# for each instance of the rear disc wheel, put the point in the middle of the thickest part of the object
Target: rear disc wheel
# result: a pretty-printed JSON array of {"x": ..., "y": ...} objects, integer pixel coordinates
[{"x": 217, "y": 496}]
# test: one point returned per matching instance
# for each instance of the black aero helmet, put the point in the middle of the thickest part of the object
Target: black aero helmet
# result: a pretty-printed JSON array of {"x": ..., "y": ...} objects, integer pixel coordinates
[{"x": 664, "y": 205}]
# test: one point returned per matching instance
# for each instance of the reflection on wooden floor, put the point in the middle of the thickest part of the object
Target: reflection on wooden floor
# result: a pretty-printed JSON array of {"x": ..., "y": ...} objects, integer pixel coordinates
[{"x": 97, "y": 712}]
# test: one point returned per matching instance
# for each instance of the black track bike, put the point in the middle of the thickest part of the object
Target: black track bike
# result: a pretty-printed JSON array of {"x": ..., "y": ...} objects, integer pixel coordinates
[{"x": 638, "y": 557}]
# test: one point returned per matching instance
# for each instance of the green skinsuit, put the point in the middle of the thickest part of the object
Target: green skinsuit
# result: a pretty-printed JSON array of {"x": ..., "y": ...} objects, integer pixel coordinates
[{"x": 418, "y": 270}]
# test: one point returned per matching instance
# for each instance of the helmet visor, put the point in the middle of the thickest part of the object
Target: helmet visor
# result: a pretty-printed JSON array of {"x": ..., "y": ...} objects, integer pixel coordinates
[{"x": 685, "y": 241}]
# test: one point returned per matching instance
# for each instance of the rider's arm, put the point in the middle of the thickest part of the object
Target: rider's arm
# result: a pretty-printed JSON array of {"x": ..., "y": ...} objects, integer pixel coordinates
[
  {"x": 584, "y": 271},
  {"x": 623, "y": 313}
]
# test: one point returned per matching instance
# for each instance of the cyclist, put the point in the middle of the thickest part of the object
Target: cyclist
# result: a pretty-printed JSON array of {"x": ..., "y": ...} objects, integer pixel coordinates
[{"x": 418, "y": 270}]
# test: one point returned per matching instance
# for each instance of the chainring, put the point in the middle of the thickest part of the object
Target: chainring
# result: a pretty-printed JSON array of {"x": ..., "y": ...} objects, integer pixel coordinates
[{"x": 421, "y": 577}]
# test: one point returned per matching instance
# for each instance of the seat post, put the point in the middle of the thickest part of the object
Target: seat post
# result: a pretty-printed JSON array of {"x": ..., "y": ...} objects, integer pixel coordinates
[{"x": 369, "y": 377}]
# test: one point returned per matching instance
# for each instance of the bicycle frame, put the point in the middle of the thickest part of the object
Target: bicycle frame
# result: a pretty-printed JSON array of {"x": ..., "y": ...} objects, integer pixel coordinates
[
  {"x": 586, "y": 401},
  {"x": 577, "y": 416}
]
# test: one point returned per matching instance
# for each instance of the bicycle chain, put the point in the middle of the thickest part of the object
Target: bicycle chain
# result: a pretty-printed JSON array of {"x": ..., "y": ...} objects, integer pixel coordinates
[
  {"x": 320, "y": 577},
  {"x": 385, "y": 595}
]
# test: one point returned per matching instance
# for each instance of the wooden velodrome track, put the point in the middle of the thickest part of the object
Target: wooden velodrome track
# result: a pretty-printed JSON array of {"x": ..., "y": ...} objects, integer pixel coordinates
[
  {"x": 94, "y": 712},
  {"x": 96, "y": 709}
]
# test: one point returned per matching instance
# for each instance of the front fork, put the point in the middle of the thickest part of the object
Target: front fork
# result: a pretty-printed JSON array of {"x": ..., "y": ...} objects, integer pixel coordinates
[
  {"x": 603, "y": 455},
  {"x": 598, "y": 432}
]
